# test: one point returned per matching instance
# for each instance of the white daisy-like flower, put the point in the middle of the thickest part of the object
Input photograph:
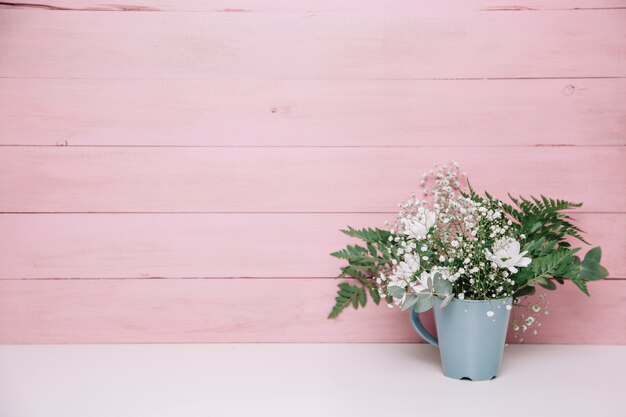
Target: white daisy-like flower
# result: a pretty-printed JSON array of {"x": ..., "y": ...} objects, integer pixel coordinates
[
  {"x": 408, "y": 267},
  {"x": 422, "y": 282},
  {"x": 417, "y": 227},
  {"x": 505, "y": 253}
]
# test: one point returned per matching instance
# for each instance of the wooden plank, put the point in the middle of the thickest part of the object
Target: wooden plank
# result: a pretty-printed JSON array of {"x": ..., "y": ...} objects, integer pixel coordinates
[
  {"x": 74, "y": 44},
  {"x": 209, "y": 245},
  {"x": 321, "y": 113},
  {"x": 66, "y": 179},
  {"x": 266, "y": 310},
  {"x": 241, "y": 6}
]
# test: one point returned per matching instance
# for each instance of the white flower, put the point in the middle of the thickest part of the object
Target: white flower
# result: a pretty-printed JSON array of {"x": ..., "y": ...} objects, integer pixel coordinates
[
  {"x": 461, "y": 296},
  {"x": 422, "y": 282},
  {"x": 408, "y": 267},
  {"x": 417, "y": 227},
  {"x": 444, "y": 273},
  {"x": 506, "y": 254}
]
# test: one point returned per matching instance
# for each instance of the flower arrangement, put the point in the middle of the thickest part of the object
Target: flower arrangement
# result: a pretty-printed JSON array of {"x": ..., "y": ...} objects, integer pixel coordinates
[{"x": 456, "y": 243}]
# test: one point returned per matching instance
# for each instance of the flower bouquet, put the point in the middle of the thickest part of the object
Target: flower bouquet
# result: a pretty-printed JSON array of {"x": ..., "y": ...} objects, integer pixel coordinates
[{"x": 470, "y": 256}]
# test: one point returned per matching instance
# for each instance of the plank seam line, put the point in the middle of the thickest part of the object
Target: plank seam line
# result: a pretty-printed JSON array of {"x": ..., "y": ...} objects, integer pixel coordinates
[
  {"x": 529, "y": 9},
  {"x": 574, "y": 77},
  {"x": 132, "y": 8},
  {"x": 104, "y": 8},
  {"x": 538, "y": 145},
  {"x": 245, "y": 212},
  {"x": 155, "y": 278}
]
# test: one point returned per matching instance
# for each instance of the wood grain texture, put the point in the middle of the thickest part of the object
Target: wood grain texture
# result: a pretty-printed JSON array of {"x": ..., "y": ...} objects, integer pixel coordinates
[
  {"x": 215, "y": 141},
  {"x": 66, "y": 179},
  {"x": 319, "y": 113},
  {"x": 210, "y": 245},
  {"x": 266, "y": 310},
  {"x": 37, "y": 43},
  {"x": 243, "y": 6}
]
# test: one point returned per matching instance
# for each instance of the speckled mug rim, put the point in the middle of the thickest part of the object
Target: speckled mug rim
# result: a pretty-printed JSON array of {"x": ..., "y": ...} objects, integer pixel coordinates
[{"x": 503, "y": 300}]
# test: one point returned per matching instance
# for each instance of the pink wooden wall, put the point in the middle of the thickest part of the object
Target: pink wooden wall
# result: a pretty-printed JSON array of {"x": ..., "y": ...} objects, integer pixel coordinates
[{"x": 177, "y": 171}]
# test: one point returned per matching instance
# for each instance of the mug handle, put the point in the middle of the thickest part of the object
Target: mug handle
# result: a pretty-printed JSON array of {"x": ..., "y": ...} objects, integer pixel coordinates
[{"x": 419, "y": 328}]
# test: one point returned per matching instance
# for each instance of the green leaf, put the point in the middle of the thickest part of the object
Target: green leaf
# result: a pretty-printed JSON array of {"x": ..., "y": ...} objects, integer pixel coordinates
[
  {"x": 592, "y": 271},
  {"x": 443, "y": 287},
  {"x": 424, "y": 302},
  {"x": 590, "y": 268},
  {"x": 344, "y": 293},
  {"x": 351, "y": 251},
  {"x": 548, "y": 285},
  {"x": 446, "y": 300},
  {"x": 368, "y": 234},
  {"x": 375, "y": 296},
  {"x": 372, "y": 250},
  {"x": 581, "y": 284},
  {"x": 594, "y": 255},
  {"x": 410, "y": 300},
  {"x": 347, "y": 294},
  {"x": 362, "y": 297},
  {"x": 396, "y": 292}
]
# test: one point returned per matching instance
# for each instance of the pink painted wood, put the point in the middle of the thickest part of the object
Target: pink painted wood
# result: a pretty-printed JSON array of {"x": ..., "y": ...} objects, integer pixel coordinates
[
  {"x": 242, "y": 6},
  {"x": 312, "y": 46},
  {"x": 317, "y": 113},
  {"x": 210, "y": 245},
  {"x": 70, "y": 179},
  {"x": 268, "y": 92},
  {"x": 266, "y": 310}
]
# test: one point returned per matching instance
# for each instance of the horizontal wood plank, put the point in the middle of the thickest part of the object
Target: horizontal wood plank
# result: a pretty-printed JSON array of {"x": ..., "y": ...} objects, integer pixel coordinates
[
  {"x": 210, "y": 245},
  {"x": 66, "y": 179},
  {"x": 235, "y": 310},
  {"x": 320, "y": 113},
  {"x": 242, "y": 6},
  {"x": 74, "y": 44}
]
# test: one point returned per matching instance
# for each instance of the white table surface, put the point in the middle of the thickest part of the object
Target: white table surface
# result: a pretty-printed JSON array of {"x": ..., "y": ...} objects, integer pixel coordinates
[{"x": 301, "y": 380}]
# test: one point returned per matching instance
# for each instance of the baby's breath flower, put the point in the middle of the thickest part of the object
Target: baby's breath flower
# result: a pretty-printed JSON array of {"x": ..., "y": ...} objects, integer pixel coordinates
[{"x": 448, "y": 234}]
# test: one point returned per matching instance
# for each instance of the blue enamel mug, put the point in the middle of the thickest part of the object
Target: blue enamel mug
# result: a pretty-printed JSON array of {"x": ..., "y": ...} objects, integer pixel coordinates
[{"x": 470, "y": 336}]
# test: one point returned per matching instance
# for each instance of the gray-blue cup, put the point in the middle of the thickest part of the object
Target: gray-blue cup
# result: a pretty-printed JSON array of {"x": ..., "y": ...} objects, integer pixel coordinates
[{"x": 471, "y": 336}]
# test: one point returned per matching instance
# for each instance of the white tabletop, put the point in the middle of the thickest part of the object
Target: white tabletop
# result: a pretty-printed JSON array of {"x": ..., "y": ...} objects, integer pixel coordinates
[{"x": 303, "y": 380}]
